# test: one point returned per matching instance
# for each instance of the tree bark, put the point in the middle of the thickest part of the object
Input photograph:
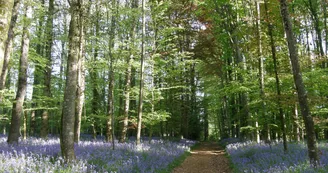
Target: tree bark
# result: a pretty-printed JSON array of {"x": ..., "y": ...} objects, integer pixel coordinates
[
  {"x": 9, "y": 44},
  {"x": 141, "y": 73},
  {"x": 80, "y": 81},
  {"x": 17, "y": 111},
  {"x": 110, "y": 136},
  {"x": 68, "y": 115},
  {"x": 6, "y": 7},
  {"x": 261, "y": 74},
  {"x": 301, "y": 92}
]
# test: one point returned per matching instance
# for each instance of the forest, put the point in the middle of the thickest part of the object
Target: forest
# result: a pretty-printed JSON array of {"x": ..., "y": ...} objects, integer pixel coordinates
[{"x": 151, "y": 78}]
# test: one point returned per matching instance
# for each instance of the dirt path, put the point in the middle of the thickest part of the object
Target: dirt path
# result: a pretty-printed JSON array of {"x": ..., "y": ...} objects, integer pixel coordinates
[{"x": 207, "y": 158}]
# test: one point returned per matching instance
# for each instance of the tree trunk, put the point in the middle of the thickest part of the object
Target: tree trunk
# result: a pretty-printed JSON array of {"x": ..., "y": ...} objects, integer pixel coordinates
[
  {"x": 17, "y": 111},
  {"x": 9, "y": 44},
  {"x": 261, "y": 74},
  {"x": 5, "y": 16},
  {"x": 141, "y": 73},
  {"x": 296, "y": 125},
  {"x": 126, "y": 100},
  {"x": 110, "y": 118},
  {"x": 68, "y": 115},
  {"x": 80, "y": 82},
  {"x": 273, "y": 51},
  {"x": 301, "y": 92}
]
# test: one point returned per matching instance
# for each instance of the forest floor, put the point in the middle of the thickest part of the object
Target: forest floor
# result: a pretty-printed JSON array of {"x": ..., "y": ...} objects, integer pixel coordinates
[{"x": 208, "y": 157}]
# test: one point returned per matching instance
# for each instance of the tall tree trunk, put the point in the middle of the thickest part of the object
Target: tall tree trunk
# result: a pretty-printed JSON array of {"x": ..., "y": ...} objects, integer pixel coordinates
[
  {"x": 110, "y": 136},
  {"x": 274, "y": 56},
  {"x": 261, "y": 75},
  {"x": 80, "y": 81},
  {"x": 126, "y": 100},
  {"x": 296, "y": 125},
  {"x": 5, "y": 16},
  {"x": 128, "y": 74},
  {"x": 47, "y": 71},
  {"x": 17, "y": 111},
  {"x": 68, "y": 115},
  {"x": 141, "y": 73},
  {"x": 9, "y": 44},
  {"x": 301, "y": 92},
  {"x": 324, "y": 9}
]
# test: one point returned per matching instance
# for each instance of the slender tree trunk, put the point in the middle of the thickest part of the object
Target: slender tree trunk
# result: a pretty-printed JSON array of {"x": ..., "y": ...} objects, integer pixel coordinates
[
  {"x": 296, "y": 125},
  {"x": 9, "y": 44},
  {"x": 261, "y": 74},
  {"x": 110, "y": 118},
  {"x": 80, "y": 81},
  {"x": 17, "y": 111},
  {"x": 68, "y": 116},
  {"x": 274, "y": 56},
  {"x": 141, "y": 73},
  {"x": 301, "y": 92},
  {"x": 324, "y": 9},
  {"x": 126, "y": 100},
  {"x": 5, "y": 16}
]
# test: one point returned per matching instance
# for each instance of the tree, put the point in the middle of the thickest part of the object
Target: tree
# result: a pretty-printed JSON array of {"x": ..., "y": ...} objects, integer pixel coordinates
[
  {"x": 68, "y": 114},
  {"x": 17, "y": 112},
  {"x": 9, "y": 44},
  {"x": 5, "y": 15},
  {"x": 81, "y": 77},
  {"x": 301, "y": 92},
  {"x": 141, "y": 73},
  {"x": 110, "y": 119},
  {"x": 273, "y": 52},
  {"x": 127, "y": 88}
]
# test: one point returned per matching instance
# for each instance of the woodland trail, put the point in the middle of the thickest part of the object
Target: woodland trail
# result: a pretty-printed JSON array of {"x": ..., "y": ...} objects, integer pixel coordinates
[{"x": 209, "y": 157}]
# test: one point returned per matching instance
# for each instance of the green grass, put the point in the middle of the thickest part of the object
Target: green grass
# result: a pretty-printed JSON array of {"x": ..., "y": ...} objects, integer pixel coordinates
[{"x": 177, "y": 162}]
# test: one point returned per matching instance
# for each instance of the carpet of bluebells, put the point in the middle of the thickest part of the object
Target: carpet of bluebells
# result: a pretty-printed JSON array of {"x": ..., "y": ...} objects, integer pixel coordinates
[
  {"x": 37, "y": 155},
  {"x": 250, "y": 157}
]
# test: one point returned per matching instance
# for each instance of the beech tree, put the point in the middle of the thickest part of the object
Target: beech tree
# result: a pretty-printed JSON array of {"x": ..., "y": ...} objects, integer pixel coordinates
[
  {"x": 9, "y": 43},
  {"x": 17, "y": 112},
  {"x": 68, "y": 114},
  {"x": 298, "y": 80},
  {"x": 5, "y": 15}
]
